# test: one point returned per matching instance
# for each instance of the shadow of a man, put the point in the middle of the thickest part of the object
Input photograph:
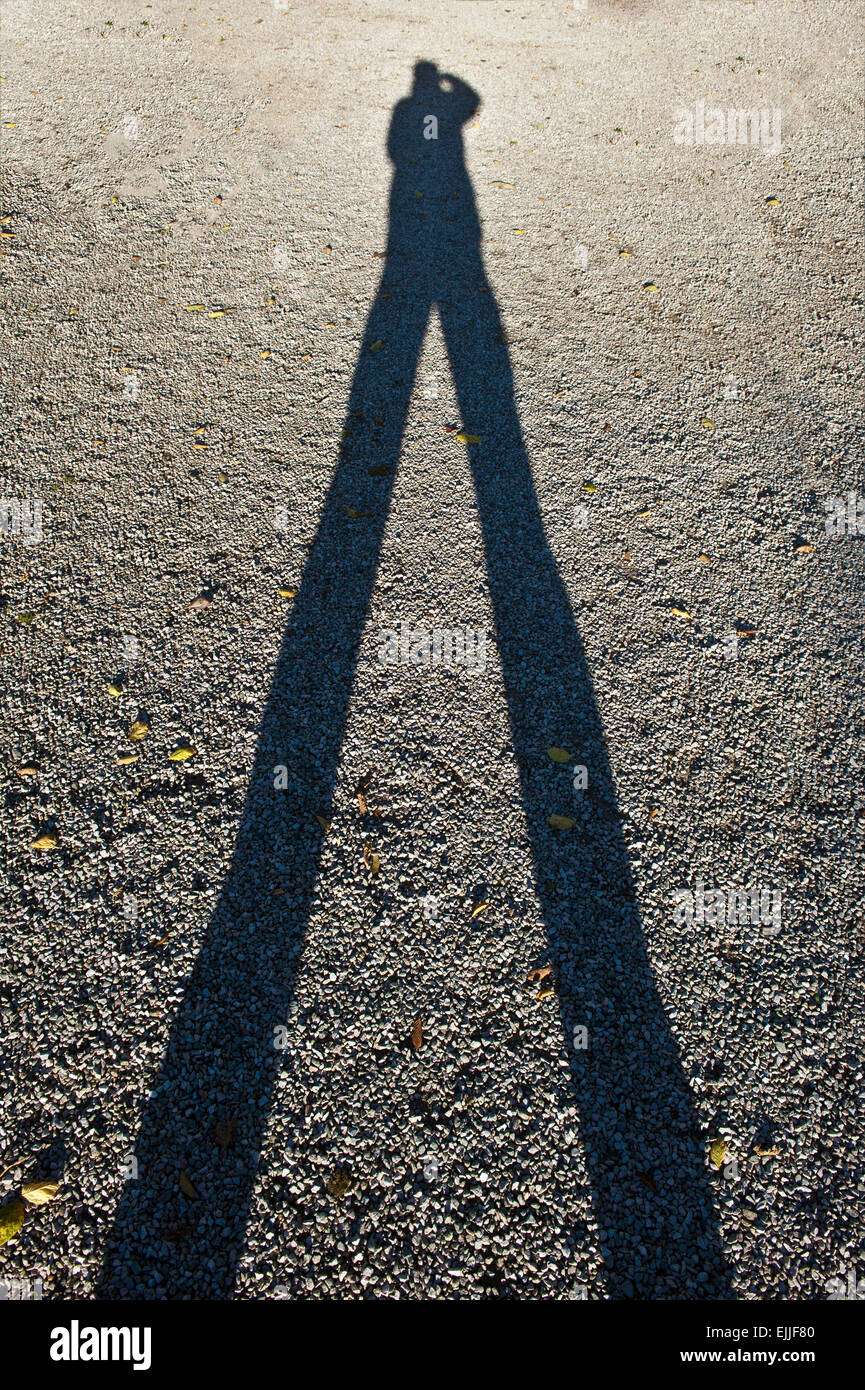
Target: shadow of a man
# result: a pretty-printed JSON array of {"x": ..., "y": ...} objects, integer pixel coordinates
[{"x": 643, "y": 1152}]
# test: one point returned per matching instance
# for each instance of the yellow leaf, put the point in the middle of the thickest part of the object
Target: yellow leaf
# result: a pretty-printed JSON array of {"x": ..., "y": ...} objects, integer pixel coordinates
[
  {"x": 24, "y": 618},
  {"x": 371, "y": 859},
  {"x": 803, "y": 549},
  {"x": 681, "y": 613},
  {"x": 641, "y": 516},
  {"x": 38, "y": 1193},
  {"x": 773, "y": 201},
  {"x": 186, "y": 1186},
  {"x": 707, "y": 423},
  {"x": 27, "y": 770},
  {"x": 718, "y": 1152},
  {"x": 559, "y": 755},
  {"x": 374, "y": 347},
  {"x": 468, "y": 438},
  {"x": 589, "y": 487},
  {"x": 561, "y": 822},
  {"x": 115, "y": 688},
  {"x": 287, "y": 593},
  {"x": 353, "y": 512},
  {"x": 519, "y": 231},
  {"x": 481, "y": 907},
  {"x": 50, "y": 840},
  {"x": 705, "y": 559},
  {"x": 650, "y": 285},
  {"x": 124, "y": 759},
  {"x": 182, "y": 753},
  {"x": 11, "y": 1219},
  {"x": 139, "y": 729},
  {"x": 266, "y": 353},
  {"x": 500, "y": 183},
  {"x": 545, "y": 994},
  {"x": 191, "y": 308}
]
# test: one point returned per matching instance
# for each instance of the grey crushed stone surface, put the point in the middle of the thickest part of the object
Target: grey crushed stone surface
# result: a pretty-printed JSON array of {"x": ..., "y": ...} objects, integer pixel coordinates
[{"x": 257, "y": 180}]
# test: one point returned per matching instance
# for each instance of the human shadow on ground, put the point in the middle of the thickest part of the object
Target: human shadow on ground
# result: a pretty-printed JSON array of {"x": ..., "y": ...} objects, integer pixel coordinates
[{"x": 658, "y": 1236}]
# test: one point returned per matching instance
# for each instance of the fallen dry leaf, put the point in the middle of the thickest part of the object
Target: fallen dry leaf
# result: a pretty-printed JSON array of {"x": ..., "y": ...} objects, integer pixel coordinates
[
  {"x": 186, "y": 1186},
  {"x": 287, "y": 593},
  {"x": 558, "y": 755},
  {"x": 561, "y": 822},
  {"x": 138, "y": 730},
  {"x": 224, "y": 1132},
  {"x": 325, "y": 824},
  {"x": 181, "y": 754},
  {"x": 339, "y": 1183},
  {"x": 11, "y": 1219},
  {"x": 718, "y": 1152},
  {"x": 39, "y": 1192},
  {"x": 481, "y": 907},
  {"x": 50, "y": 840},
  {"x": 680, "y": 612},
  {"x": 417, "y": 1034},
  {"x": 124, "y": 759},
  {"x": 468, "y": 438},
  {"x": 371, "y": 859},
  {"x": 540, "y": 973}
]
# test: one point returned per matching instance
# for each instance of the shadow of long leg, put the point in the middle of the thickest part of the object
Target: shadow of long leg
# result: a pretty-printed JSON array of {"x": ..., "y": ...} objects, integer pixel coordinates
[
  {"x": 220, "y": 1061},
  {"x": 636, "y": 1111}
]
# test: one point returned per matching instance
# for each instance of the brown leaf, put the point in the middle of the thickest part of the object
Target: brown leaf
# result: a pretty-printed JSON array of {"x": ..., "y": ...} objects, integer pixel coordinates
[
  {"x": 224, "y": 1132},
  {"x": 340, "y": 1182},
  {"x": 371, "y": 859},
  {"x": 177, "y": 1231},
  {"x": 540, "y": 974},
  {"x": 417, "y": 1034},
  {"x": 481, "y": 907},
  {"x": 325, "y": 825},
  {"x": 362, "y": 804},
  {"x": 186, "y": 1186}
]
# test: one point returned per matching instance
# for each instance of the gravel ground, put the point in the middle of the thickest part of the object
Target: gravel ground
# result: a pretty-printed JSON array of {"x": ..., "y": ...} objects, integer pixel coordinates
[{"x": 271, "y": 1015}]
